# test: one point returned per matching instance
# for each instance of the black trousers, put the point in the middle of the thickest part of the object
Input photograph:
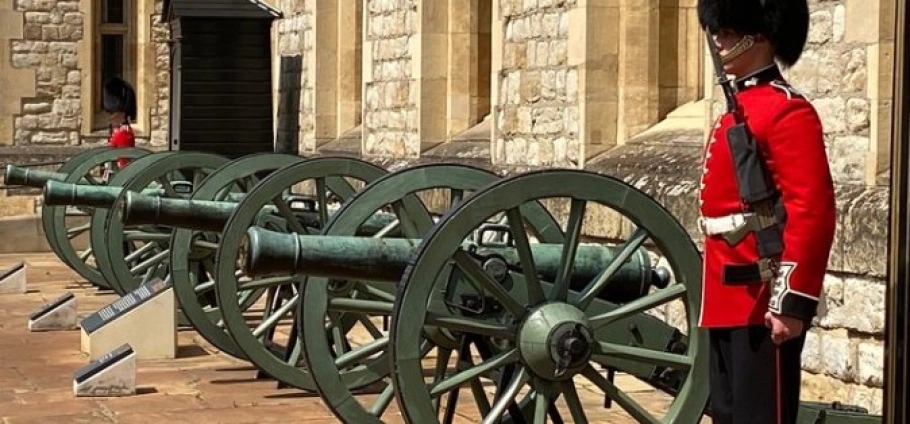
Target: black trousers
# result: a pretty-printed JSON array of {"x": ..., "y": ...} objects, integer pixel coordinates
[{"x": 752, "y": 380}]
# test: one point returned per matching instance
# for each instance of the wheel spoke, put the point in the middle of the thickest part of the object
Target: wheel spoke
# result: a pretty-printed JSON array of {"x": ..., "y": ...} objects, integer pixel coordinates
[
  {"x": 205, "y": 286},
  {"x": 525, "y": 257},
  {"x": 560, "y": 290},
  {"x": 148, "y": 263},
  {"x": 371, "y": 328},
  {"x": 146, "y": 236},
  {"x": 541, "y": 404},
  {"x": 599, "y": 283},
  {"x": 340, "y": 186},
  {"x": 637, "y": 306},
  {"x": 322, "y": 201},
  {"x": 383, "y": 401},
  {"x": 75, "y": 231},
  {"x": 276, "y": 316},
  {"x": 285, "y": 211},
  {"x": 146, "y": 248},
  {"x": 648, "y": 356},
  {"x": 263, "y": 283},
  {"x": 409, "y": 228},
  {"x": 461, "y": 377},
  {"x": 166, "y": 186},
  {"x": 372, "y": 291},
  {"x": 471, "y": 326},
  {"x": 483, "y": 281},
  {"x": 508, "y": 396},
  {"x": 360, "y": 353},
  {"x": 576, "y": 409},
  {"x": 85, "y": 254},
  {"x": 360, "y": 306},
  {"x": 204, "y": 244},
  {"x": 633, "y": 408}
]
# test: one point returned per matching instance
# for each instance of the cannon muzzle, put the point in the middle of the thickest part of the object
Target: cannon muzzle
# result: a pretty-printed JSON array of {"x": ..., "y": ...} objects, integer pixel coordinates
[
  {"x": 21, "y": 176},
  {"x": 265, "y": 252}
]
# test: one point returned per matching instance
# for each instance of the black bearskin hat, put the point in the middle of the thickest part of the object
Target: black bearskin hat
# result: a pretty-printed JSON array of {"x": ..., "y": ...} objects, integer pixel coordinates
[
  {"x": 784, "y": 22},
  {"x": 119, "y": 96}
]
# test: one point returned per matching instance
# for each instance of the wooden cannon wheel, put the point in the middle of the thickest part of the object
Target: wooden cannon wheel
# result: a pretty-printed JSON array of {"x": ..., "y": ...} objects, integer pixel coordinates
[
  {"x": 339, "y": 365},
  {"x": 547, "y": 340},
  {"x": 193, "y": 252},
  {"x": 327, "y": 176},
  {"x": 133, "y": 255},
  {"x": 62, "y": 224}
]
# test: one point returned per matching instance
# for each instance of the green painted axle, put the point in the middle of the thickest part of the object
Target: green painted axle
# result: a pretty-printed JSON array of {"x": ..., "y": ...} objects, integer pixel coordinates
[
  {"x": 212, "y": 215},
  {"x": 265, "y": 252},
  {"x": 21, "y": 176},
  {"x": 57, "y": 193}
]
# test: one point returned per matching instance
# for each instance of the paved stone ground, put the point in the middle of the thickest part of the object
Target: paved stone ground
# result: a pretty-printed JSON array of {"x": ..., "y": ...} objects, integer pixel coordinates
[{"x": 200, "y": 386}]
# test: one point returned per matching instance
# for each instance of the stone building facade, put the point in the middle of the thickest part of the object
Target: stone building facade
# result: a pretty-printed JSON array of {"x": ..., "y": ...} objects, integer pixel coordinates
[{"x": 618, "y": 86}]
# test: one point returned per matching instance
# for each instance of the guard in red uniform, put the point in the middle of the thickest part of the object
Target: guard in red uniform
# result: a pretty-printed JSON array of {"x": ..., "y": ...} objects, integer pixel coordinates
[
  {"x": 764, "y": 260},
  {"x": 120, "y": 104}
]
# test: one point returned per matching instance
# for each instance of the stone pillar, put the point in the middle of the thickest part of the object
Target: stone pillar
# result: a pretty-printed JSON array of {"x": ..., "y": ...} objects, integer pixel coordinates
[
  {"x": 431, "y": 70},
  {"x": 681, "y": 44},
  {"x": 152, "y": 77},
  {"x": 638, "y": 73},
  {"x": 159, "y": 65},
  {"x": 391, "y": 71},
  {"x": 469, "y": 64},
  {"x": 594, "y": 49},
  {"x": 536, "y": 83},
  {"x": 350, "y": 65},
  {"x": 324, "y": 63}
]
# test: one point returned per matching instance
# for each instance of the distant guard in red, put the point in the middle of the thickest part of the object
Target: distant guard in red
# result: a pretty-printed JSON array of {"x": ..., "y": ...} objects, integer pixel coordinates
[{"x": 120, "y": 103}]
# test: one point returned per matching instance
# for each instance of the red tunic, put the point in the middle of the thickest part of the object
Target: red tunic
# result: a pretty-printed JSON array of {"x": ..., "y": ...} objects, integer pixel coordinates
[
  {"x": 122, "y": 137},
  {"x": 789, "y": 133}
]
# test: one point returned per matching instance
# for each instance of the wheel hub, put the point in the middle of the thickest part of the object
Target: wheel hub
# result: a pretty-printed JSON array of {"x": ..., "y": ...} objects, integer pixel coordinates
[{"x": 555, "y": 342}]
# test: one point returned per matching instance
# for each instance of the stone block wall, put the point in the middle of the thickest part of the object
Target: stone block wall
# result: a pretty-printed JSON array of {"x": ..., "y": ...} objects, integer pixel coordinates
[
  {"x": 55, "y": 43},
  {"x": 51, "y": 34},
  {"x": 535, "y": 93}
]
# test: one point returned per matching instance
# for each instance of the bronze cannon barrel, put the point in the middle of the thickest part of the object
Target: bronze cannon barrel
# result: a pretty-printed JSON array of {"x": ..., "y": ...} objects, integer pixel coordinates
[
  {"x": 265, "y": 252},
  {"x": 212, "y": 215},
  {"x": 21, "y": 176},
  {"x": 57, "y": 193},
  {"x": 200, "y": 215}
]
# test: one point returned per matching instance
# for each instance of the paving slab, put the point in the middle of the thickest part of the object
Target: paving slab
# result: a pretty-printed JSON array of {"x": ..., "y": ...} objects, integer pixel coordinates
[{"x": 200, "y": 386}]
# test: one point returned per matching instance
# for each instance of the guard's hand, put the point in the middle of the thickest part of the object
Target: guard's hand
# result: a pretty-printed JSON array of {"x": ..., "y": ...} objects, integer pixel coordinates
[{"x": 783, "y": 328}]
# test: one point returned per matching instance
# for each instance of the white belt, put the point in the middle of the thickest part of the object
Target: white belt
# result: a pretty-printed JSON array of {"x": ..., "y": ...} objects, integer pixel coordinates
[{"x": 722, "y": 224}]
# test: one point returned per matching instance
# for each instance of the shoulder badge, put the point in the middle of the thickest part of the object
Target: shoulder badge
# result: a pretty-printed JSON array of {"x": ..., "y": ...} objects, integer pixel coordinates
[{"x": 787, "y": 89}]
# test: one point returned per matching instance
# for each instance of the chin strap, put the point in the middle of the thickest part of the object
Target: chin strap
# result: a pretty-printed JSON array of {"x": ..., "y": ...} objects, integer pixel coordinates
[{"x": 739, "y": 48}]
